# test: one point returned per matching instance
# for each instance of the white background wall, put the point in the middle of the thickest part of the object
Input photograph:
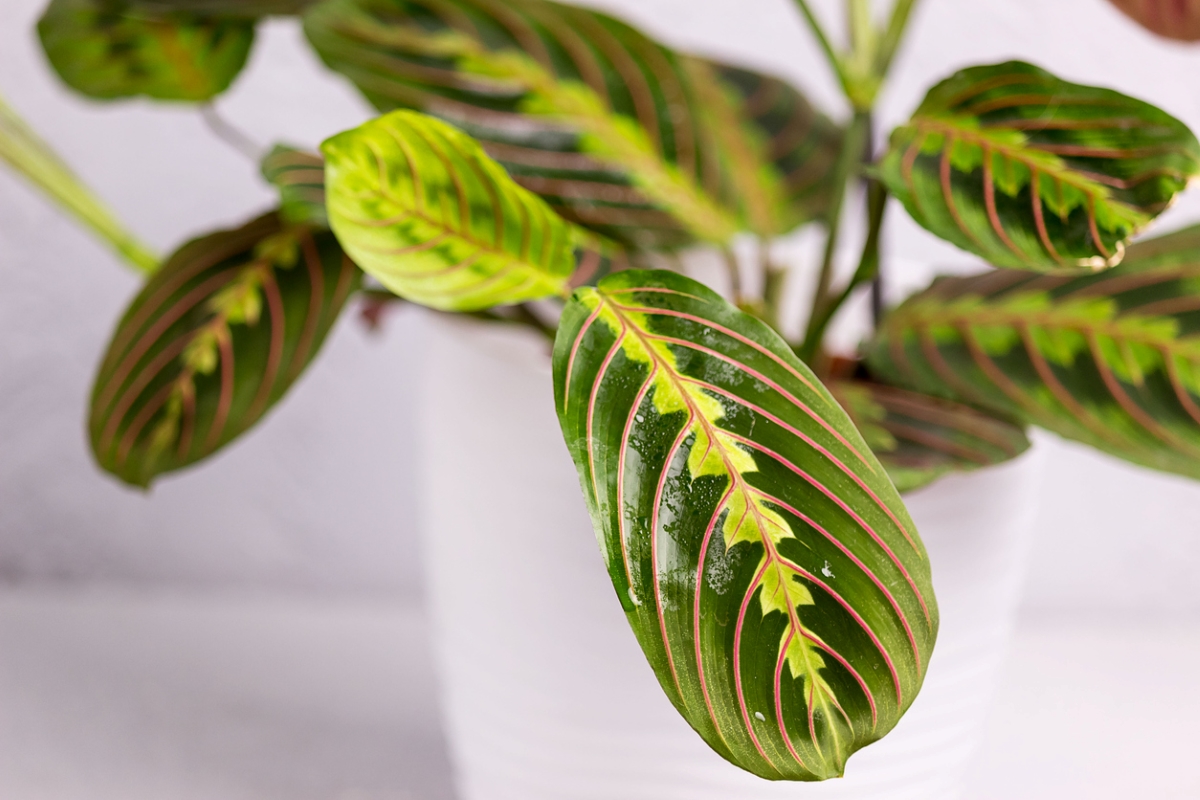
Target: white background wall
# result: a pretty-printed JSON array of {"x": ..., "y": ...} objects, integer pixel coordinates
[{"x": 320, "y": 498}]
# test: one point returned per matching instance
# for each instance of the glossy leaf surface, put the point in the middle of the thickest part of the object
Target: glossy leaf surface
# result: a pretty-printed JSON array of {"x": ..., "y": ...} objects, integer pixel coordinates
[
  {"x": 1112, "y": 360},
  {"x": 425, "y": 211},
  {"x": 1031, "y": 172},
  {"x": 300, "y": 178},
  {"x": 765, "y": 562},
  {"x": 1174, "y": 19},
  {"x": 919, "y": 438},
  {"x": 618, "y": 133},
  {"x": 212, "y": 342},
  {"x": 108, "y": 50}
]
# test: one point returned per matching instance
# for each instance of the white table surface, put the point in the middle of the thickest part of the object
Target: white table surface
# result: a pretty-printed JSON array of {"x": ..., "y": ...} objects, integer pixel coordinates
[{"x": 108, "y": 695}]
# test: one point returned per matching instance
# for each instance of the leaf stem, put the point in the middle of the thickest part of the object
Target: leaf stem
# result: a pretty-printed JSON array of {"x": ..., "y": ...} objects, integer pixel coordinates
[
  {"x": 735, "y": 274},
  {"x": 29, "y": 155},
  {"x": 892, "y": 36},
  {"x": 230, "y": 134},
  {"x": 867, "y": 272},
  {"x": 774, "y": 284},
  {"x": 835, "y": 61}
]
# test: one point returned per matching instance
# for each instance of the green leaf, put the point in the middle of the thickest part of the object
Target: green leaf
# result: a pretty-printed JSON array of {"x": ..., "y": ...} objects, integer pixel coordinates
[
  {"x": 212, "y": 342},
  {"x": 765, "y": 562},
  {"x": 1172, "y": 19},
  {"x": 1112, "y": 360},
  {"x": 919, "y": 438},
  {"x": 618, "y": 133},
  {"x": 106, "y": 50},
  {"x": 1031, "y": 172},
  {"x": 300, "y": 178},
  {"x": 422, "y": 209}
]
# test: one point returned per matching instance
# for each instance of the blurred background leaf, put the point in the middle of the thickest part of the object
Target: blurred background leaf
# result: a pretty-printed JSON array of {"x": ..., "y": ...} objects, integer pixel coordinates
[
  {"x": 106, "y": 49},
  {"x": 919, "y": 438},
  {"x": 215, "y": 338},
  {"x": 1112, "y": 360},
  {"x": 616, "y": 132},
  {"x": 300, "y": 178},
  {"x": 1173, "y": 19}
]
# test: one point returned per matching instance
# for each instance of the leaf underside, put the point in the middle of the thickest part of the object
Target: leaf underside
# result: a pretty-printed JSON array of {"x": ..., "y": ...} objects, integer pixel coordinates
[
  {"x": 1112, "y": 360},
  {"x": 1031, "y": 172},
  {"x": 1173, "y": 19},
  {"x": 919, "y": 438},
  {"x": 106, "y": 51},
  {"x": 619, "y": 134},
  {"x": 212, "y": 342},
  {"x": 764, "y": 560},
  {"x": 421, "y": 208}
]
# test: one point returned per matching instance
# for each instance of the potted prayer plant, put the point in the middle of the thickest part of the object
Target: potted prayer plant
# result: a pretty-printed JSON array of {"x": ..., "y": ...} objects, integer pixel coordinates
[{"x": 536, "y": 171}]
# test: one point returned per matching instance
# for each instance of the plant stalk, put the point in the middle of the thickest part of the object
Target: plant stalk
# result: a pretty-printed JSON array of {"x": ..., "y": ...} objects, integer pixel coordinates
[
  {"x": 867, "y": 271},
  {"x": 835, "y": 61},
  {"x": 850, "y": 161},
  {"x": 893, "y": 35},
  {"x": 25, "y": 151}
]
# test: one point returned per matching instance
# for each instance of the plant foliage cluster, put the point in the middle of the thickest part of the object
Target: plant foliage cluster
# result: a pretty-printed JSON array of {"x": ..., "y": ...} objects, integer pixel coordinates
[{"x": 533, "y": 162}]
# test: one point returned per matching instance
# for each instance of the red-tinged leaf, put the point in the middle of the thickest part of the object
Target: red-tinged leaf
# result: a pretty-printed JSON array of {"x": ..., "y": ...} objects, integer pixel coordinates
[
  {"x": 1031, "y": 172},
  {"x": 617, "y": 132},
  {"x": 919, "y": 438},
  {"x": 765, "y": 562},
  {"x": 1112, "y": 360},
  {"x": 1172, "y": 19},
  {"x": 215, "y": 338}
]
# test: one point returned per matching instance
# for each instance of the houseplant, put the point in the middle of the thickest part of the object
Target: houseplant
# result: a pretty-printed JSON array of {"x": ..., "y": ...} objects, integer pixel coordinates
[{"x": 167, "y": 422}]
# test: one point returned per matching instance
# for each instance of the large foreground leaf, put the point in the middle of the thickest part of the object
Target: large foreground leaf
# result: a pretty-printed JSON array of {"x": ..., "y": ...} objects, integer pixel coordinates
[
  {"x": 919, "y": 438},
  {"x": 1112, "y": 360},
  {"x": 1032, "y": 172},
  {"x": 422, "y": 208},
  {"x": 215, "y": 338},
  {"x": 618, "y": 133},
  {"x": 107, "y": 50},
  {"x": 1174, "y": 19},
  {"x": 766, "y": 563}
]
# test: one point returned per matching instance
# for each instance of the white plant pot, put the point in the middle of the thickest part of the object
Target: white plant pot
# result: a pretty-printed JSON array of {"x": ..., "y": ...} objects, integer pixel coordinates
[{"x": 545, "y": 693}]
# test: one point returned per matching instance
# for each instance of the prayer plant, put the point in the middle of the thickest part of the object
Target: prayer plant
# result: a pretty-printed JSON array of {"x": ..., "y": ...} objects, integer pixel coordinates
[{"x": 533, "y": 161}]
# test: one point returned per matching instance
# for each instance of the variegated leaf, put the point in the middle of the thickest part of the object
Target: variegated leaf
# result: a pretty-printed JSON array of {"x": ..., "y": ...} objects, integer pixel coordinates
[
  {"x": 1173, "y": 19},
  {"x": 765, "y": 562},
  {"x": 421, "y": 208},
  {"x": 300, "y": 178},
  {"x": 212, "y": 342},
  {"x": 1112, "y": 360},
  {"x": 1031, "y": 172},
  {"x": 919, "y": 438},
  {"x": 618, "y": 133},
  {"x": 107, "y": 50}
]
